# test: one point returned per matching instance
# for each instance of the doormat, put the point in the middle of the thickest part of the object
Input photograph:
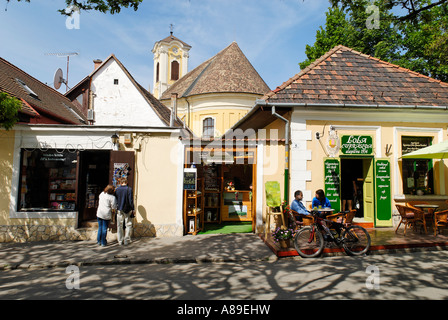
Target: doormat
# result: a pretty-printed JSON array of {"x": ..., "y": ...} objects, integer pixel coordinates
[{"x": 227, "y": 227}]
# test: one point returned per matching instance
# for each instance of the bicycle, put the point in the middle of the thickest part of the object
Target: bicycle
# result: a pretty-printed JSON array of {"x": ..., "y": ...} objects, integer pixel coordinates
[{"x": 309, "y": 241}]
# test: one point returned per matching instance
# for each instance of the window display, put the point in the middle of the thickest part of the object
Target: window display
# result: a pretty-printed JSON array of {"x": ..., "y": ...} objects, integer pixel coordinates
[
  {"x": 417, "y": 173},
  {"x": 48, "y": 180}
]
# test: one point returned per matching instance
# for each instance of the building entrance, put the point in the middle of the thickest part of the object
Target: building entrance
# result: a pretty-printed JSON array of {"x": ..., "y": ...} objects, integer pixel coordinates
[{"x": 357, "y": 187}]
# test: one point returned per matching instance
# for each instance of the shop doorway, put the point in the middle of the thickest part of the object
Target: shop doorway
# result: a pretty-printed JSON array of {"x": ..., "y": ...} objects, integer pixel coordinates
[
  {"x": 93, "y": 178},
  {"x": 221, "y": 197},
  {"x": 97, "y": 169},
  {"x": 357, "y": 186}
]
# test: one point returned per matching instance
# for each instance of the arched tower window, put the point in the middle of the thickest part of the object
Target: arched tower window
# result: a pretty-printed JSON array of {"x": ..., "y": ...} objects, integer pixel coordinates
[
  {"x": 157, "y": 72},
  {"x": 174, "y": 70},
  {"x": 208, "y": 127}
]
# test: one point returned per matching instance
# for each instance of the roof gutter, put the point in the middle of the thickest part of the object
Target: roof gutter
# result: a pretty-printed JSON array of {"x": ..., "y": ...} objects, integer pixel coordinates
[
  {"x": 264, "y": 103},
  {"x": 286, "y": 182}
]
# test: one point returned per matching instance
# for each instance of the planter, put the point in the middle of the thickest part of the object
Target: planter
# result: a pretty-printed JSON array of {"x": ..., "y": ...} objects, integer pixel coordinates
[{"x": 284, "y": 244}]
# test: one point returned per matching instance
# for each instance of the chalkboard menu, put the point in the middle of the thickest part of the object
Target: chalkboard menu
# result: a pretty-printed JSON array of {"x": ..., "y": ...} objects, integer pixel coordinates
[
  {"x": 332, "y": 182},
  {"x": 383, "y": 191},
  {"x": 190, "y": 177}
]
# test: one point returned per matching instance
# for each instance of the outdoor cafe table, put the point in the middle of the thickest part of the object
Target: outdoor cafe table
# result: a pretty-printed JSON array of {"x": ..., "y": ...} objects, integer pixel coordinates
[{"x": 429, "y": 208}]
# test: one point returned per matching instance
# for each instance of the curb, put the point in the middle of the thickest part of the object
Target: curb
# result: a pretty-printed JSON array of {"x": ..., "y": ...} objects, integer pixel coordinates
[{"x": 122, "y": 261}]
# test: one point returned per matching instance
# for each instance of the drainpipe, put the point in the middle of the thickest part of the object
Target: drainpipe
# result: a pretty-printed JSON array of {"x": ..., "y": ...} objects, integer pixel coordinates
[{"x": 286, "y": 195}]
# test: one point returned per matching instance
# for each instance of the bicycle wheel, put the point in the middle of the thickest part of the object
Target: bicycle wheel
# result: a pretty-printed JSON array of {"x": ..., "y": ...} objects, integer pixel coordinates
[
  {"x": 356, "y": 240},
  {"x": 309, "y": 242}
]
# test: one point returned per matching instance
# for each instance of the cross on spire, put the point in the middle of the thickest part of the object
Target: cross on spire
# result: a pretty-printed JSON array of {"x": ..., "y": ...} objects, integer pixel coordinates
[{"x": 171, "y": 28}]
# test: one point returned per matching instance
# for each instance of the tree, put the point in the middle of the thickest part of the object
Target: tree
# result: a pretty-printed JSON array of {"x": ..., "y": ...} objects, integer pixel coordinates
[
  {"x": 9, "y": 109},
  {"x": 425, "y": 43},
  {"x": 412, "y": 8},
  {"x": 350, "y": 29},
  {"x": 419, "y": 44},
  {"x": 104, "y": 6}
]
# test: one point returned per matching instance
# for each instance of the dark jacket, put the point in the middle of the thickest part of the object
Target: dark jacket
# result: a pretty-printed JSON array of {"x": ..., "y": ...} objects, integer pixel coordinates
[{"x": 125, "y": 201}]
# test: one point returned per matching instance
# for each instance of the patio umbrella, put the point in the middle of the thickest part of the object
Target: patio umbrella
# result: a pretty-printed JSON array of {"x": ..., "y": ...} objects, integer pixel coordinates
[{"x": 436, "y": 151}]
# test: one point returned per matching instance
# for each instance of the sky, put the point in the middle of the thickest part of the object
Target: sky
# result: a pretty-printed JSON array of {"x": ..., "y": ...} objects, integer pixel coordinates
[{"x": 272, "y": 34}]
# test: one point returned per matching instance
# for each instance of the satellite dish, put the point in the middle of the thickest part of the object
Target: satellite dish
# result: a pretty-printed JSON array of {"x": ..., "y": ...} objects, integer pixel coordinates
[{"x": 58, "y": 79}]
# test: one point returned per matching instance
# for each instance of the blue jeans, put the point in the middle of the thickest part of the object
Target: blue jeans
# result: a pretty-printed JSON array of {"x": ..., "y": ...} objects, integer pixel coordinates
[{"x": 102, "y": 231}]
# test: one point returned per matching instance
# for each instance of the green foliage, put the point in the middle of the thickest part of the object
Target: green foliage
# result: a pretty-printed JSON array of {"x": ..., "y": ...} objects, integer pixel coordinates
[
  {"x": 9, "y": 109},
  {"x": 419, "y": 43},
  {"x": 104, "y": 6}
]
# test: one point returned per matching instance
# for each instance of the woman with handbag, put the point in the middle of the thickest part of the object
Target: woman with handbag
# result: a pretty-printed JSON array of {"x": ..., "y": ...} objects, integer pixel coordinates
[
  {"x": 106, "y": 206},
  {"x": 125, "y": 205}
]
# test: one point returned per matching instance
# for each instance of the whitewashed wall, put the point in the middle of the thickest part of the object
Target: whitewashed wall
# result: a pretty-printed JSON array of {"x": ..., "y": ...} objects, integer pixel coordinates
[{"x": 120, "y": 104}]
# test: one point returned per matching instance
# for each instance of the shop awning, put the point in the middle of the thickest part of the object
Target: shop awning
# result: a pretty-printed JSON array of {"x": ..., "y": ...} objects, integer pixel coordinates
[{"x": 436, "y": 151}]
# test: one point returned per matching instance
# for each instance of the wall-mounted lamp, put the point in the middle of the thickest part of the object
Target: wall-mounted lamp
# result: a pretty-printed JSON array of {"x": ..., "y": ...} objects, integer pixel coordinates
[{"x": 115, "y": 139}]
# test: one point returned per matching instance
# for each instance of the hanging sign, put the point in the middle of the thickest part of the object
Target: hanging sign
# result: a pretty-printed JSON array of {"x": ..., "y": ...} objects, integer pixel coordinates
[
  {"x": 190, "y": 177},
  {"x": 383, "y": 190},
  {"x": 356, "y": 145},
  {"x": 332, "y": 182}
]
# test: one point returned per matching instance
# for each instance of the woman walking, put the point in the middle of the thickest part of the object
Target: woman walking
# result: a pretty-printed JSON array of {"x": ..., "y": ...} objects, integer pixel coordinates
[{"x": 107, "y": 204}]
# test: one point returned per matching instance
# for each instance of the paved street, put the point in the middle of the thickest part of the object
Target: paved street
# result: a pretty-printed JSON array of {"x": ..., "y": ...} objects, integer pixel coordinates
[{"x": 420, "y": 275}]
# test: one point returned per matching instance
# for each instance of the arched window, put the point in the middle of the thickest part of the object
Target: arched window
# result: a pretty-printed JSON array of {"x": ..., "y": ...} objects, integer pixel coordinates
[
  {"x": 174, "y": 70},
  {"x": 157, "y": 72},
  {"x": 208, "y": 127}
]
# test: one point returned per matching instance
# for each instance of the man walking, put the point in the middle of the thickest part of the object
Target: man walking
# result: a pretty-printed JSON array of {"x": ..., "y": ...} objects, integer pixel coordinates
[{"x": 125, "y": 206}]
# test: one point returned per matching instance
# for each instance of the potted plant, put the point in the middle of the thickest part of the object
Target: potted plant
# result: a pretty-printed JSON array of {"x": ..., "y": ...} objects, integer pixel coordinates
[{"x": 283, "y": 235}]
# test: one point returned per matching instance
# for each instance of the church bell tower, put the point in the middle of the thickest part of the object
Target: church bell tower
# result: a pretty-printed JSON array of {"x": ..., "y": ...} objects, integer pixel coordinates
[{"x": 170, "y": 62}]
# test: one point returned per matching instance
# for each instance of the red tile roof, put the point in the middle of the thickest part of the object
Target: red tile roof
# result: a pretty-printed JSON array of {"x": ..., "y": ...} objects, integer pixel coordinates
[
  {"x": 345, "y": 76},
  {"x": 37, "y": 98},
  {"x": 227, "y": 71}
]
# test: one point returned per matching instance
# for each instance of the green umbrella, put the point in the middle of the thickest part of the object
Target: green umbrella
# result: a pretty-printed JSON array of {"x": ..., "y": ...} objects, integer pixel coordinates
[{"x": 436, "y": 151}]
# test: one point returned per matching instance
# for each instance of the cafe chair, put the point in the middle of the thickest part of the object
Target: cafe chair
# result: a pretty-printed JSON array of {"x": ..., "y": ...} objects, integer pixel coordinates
[
  {"x": 307, "y": 220},
  {"x": 349, "y": 218},
  {"x": 410, "y": 216},
  {"x": 440, "y": 220},
  {"x": 346, "y": 218}
]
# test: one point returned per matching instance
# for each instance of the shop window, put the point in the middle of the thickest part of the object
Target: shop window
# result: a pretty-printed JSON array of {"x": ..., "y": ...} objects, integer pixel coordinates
[
  {"x": 47, "y": 180},
  {"x": 418, "y": 175},
  {"x": 208, "y": 127},
  {"x": 174, "y": 70}
]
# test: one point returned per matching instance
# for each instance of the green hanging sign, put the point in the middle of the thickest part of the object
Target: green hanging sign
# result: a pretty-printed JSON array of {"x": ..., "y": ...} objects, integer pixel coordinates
[
  {"x": 383, "y": 190},
  {"x": 332, "y": 169},
  {"x": 356, "y": 145}
]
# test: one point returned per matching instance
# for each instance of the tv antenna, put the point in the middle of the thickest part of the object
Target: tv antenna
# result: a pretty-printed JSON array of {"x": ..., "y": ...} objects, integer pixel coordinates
[{"x": 58, "y": 77}]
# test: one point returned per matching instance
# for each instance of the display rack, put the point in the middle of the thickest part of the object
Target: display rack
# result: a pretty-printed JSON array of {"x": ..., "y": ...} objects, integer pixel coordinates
[
  {"x": 193, "y": 212},
  {"x": 62, "y": 186}
]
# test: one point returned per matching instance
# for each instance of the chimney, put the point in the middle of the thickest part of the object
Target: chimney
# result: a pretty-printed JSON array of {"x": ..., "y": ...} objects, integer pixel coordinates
[
  {"x": 173, "y": 108},
  {"x": 97, "y": 63}
]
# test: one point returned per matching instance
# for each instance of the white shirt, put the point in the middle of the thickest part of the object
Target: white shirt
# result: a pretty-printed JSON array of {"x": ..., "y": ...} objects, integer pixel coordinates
[{"x": 106, "y": 203}]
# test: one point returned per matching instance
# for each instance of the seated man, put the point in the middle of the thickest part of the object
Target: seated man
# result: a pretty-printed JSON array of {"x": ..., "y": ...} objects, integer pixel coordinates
[{"x": 297, "y": 204}]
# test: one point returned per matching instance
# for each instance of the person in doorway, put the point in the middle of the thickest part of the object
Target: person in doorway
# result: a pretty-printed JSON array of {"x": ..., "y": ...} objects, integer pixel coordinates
[
  {"x": 125, "y": 206},
  {"x": 349, "y": 191},
  {"x": 107, "y": 205},
  {"x": 320, "y": 200}
]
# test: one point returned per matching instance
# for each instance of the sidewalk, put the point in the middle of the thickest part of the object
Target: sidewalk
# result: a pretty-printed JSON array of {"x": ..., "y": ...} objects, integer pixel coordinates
[
  {"x": 187, "y": 249},
  {"x": 192, "y": 249}
]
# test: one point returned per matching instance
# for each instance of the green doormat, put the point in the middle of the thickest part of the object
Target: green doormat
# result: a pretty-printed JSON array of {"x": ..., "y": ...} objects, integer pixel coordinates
[{"x": 227, "y": 227}]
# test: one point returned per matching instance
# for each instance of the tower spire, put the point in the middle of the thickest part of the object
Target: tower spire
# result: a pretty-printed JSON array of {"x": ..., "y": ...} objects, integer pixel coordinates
[{"x": 171, "y": 29}]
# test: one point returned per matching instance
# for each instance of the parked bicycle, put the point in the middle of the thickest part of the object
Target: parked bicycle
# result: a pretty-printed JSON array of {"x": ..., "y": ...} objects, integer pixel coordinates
[{"x": 310, "y": 241}]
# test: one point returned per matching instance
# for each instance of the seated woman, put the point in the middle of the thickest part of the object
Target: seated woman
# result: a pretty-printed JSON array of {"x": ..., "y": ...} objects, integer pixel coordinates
[{"x": 320, "y": 201}]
